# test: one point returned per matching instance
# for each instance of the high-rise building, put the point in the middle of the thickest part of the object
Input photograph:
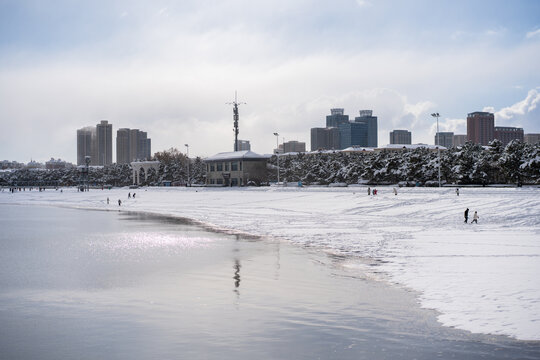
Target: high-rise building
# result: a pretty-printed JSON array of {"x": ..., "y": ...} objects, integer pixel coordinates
[
  {"x": 243, "y": 145},
  {"x": 480, "y": 127},
  {"x": 85, "y": 144},
  {"x": 506, "y": 134},
  {"x": 294, "y": 146},
  {"x": 336, "y": 118},
  {"x": 445, "y": 139},
  {"x": 366, "y": 117},
  {"x": 132, "y": 145},
  {"x": 324, "y": 139},
  {"x": 353, "y": 134},
  {"x": 103, "y": 143},
  {"x": 400, "y": 137},
  {"x": 532, "y": 138},
  {"x": 123, "y": 146},
  {"x": 460, "y": 140}
]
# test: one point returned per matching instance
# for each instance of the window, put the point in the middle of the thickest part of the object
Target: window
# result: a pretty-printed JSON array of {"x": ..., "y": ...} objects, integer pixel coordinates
[
  {"x": 219, "y": 166},
  {"x": 234, "y": 166},
  {"x": 212, "y": 167},
  {"x": 226, "y": 166},
  {"x": 220, "y": 181},
  {"x": 234, "y": 182}
]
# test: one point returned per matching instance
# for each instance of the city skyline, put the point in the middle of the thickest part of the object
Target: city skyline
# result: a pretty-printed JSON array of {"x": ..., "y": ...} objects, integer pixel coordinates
[{"x": 63, "y": 65}]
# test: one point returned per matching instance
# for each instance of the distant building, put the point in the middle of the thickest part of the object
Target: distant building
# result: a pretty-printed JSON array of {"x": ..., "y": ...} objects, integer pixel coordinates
[
  {"x": 506, "y": 134},
  {"x": 336, "y": 118},
  {"x": 103, "y": 143},
  {"x": 55, "y": 164},
  {"x": 532, "y": 138},
  {"x": 243, "y": 145},
  {"x": 236, "y": 168},
  {"x": 132, "y": 145},
  {"x": 6, "y": 164},
  {"x": 460, "y": 140},
  {"x": 86, "y": 138},
  {"x": 294, "y": 146},
  {"x": 353, "y": 134},
  {"x": 34, "y": 165},
  {"x": 480, "y": 127},
  {"x": 400, "y": 137},
  {"x": 366, "y": 117},
  {"x": 445, "y": 139},
  {"x": 324, "y": 139}
]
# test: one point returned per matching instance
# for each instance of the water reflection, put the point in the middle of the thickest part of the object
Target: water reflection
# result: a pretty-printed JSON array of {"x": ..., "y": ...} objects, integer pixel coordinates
[{"x": 236, "y": 276}]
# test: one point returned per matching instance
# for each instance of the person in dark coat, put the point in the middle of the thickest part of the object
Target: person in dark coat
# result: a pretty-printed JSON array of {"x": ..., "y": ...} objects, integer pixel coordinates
[{"x": 466, "y": 215}]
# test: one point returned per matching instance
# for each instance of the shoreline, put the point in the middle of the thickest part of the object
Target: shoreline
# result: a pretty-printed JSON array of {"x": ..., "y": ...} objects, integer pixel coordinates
[
  {"x": 160, "y": 202},
  {"x": 295, "y": 294}
]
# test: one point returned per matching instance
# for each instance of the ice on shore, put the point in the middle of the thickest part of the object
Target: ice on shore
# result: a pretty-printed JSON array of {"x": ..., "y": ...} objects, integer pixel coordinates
[{"x": 482, "y": 277}]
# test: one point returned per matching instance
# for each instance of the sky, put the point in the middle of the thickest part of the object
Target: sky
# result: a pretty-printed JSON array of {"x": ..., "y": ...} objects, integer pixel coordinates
[{"x": 170, "y": 68}]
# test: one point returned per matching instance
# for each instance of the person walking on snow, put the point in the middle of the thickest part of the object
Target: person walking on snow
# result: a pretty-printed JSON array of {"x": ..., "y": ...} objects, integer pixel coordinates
[
  {"x": 369, "y": 190},
  {"x": 119, "y": 202},
  {"x": 475, "y": 218},
  {"x": 466, "y": 215},
  {"x": 457, "y": 191},
  {"x": 107, "y": 201},
  {"x": 129, "y": 195}
]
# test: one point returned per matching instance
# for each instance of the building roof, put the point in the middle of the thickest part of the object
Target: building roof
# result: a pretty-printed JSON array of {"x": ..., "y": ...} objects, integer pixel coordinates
[
  {"x": 237, "y": 155},
  {"x": 412, "y": 146}
]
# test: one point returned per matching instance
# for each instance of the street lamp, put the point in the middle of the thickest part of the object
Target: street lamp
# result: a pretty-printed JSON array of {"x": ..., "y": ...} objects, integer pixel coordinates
[
  {"x": 277, "y": 154},
  {"x": 187, "y": 150},
  {"x": 436, "y": 115}
]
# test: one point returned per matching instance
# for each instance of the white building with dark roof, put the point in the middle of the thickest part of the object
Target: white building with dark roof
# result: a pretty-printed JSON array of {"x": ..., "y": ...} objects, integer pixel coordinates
[{"x": 236, "y": 168}]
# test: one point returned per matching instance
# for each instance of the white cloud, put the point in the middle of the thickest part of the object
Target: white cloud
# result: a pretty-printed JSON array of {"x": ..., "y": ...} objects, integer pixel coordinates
[
  {"x": 364, "y": 3},
  {"x": 533, "y": 34},
  {"x": 523, "y": 112}
]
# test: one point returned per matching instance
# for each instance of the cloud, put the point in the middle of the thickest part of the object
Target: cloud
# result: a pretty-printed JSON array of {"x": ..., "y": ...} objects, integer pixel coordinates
[
  {"x": 533, "y": 34},
  {"x": 523, "y": 113},
  {"x": 364, "y": 3}
]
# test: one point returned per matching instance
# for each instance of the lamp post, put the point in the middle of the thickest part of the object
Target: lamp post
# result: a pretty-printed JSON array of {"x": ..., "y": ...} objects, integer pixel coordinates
[
  {"x": 187, "y": 151},
  {"x": 436, "y": 115},
  {"x": 277, "y": 154}
]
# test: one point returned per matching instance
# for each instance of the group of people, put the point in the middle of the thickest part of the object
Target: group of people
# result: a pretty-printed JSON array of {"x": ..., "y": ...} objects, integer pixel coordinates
[
  {"x": 120, "y": 201},
  {"x": 474, "y": 219},
  {"x": 369, "y": 191}
]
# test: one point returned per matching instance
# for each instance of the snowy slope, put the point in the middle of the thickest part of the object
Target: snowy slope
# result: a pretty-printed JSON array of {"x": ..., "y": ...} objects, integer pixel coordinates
[{"x": 482, "y": 278}]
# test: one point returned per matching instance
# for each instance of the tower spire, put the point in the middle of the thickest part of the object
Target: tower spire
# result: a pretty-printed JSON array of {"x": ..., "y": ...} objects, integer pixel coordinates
[{"x": 236, "y": 117}]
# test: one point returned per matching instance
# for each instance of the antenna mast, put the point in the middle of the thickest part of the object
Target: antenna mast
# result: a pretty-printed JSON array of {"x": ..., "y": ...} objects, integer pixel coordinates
[{"x": 235, "y": 104}]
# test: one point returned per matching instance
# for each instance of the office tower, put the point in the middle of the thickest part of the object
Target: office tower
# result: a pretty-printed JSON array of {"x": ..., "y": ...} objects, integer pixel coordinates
[
  {"x": 460, "y": 140},
  {"x": 445, "y": 139},
  {"x": 506, "y": 134},
  {"x": 143, "y": 146},
  {"x": 366, "y": 117},
  {"x": 336, "y": 118},
  {"x": 132, "y": 145},
  {"x": 85, "y": 144},
  {"x": 480, "y": 127},
  {"x": 123, "y": 146},
  {"x": 400, "y": 137},
  {"x": 532, "y": 138},
  {"x": 324, "y": 139},
  {"x": 243, "y": 145},
  {"x": 104, "y": 143},
  {"x": 294, "y": 146},
  {"x": 353, "y": 134}
]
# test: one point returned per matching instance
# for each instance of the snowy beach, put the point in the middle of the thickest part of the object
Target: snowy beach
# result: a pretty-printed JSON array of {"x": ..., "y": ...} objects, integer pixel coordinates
[{"x": 480, "y": 277}]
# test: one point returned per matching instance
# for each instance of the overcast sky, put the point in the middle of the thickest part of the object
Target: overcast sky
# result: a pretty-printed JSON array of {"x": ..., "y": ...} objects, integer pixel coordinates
[{"x": 170, "y": 67}]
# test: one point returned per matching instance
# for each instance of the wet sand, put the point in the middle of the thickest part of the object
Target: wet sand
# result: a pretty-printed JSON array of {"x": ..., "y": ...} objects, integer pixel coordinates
[{"x": 88, "y": 284}]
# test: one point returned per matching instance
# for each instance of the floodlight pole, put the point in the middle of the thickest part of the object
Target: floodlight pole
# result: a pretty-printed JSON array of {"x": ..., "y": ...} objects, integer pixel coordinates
[
  {"x": 187, "y": 151},
  {"x": 436, "y": 115},
  {"x": 277, "y": 154}
]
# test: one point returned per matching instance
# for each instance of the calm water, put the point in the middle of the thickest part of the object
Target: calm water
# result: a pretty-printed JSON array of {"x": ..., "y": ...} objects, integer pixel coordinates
[{"x": 80, "y": 284}]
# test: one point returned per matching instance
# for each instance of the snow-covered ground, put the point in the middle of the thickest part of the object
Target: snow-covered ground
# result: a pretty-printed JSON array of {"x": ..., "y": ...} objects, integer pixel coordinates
[{"x": 482, "y": 277}]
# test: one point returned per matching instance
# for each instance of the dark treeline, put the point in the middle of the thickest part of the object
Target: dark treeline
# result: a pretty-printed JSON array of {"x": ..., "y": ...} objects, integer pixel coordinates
[
  {"x": 517, "y": 163},
  {"x": 173, "y": 168}
]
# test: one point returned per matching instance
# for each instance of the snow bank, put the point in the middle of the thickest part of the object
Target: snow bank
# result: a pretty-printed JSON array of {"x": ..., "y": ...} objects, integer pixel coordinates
[{"x": 482, "y": 278}]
